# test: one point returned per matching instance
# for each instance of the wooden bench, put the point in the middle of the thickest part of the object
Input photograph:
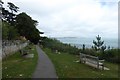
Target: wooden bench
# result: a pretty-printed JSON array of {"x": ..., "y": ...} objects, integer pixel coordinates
[{"x": 92, "y": 60}]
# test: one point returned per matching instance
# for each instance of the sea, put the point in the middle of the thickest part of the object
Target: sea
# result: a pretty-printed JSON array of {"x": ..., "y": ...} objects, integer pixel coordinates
[{"x": 78, "y": 42}]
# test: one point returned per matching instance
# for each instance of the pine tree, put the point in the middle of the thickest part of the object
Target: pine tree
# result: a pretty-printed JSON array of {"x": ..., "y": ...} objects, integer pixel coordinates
[{"x": 98, "y": 45}]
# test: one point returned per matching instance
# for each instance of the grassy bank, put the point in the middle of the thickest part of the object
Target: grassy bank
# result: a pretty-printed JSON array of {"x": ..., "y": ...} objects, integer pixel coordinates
[
  {"x": 66, "y": 67},
  {"x": 15, "y": 66},
  {"x": 109, "y": 54}
]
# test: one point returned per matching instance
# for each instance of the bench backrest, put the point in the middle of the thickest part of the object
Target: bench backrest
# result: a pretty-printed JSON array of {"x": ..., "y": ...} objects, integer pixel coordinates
[{"x": 89, "y": 58}]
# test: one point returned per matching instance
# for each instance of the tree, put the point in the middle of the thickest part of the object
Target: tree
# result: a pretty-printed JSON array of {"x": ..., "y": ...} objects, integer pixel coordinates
[
  {"x": 9, "y": 32},
  {"x": 5, "y": 30},
  {"x": 18, "y": 25},
  {"x": 98, "y": 45},
  {"x": 13, "y": 33},
  {"x": 27, "y": 27},
  {"x": 9, "y": 16},
  {"x": 13, "y": 9}
]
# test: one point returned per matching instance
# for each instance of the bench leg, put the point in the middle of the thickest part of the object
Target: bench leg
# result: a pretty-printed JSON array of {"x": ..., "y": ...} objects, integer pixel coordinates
[
  {"x": 84, "y": 61},
  {"x": 102, "y": 67},
  {"x": 98, "y": 66},
  {"x": 80, "y": 61}
]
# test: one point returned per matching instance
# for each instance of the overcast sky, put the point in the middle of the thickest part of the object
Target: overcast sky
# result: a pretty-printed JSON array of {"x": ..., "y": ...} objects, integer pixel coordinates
[{"x": 73, "y": 18}]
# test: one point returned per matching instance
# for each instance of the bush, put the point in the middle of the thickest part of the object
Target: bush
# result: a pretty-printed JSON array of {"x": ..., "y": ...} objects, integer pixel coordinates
[
  {"x": 89, "y": 52},
  {"x": 112, "y": 55},
  {"x": 54, "y": 45}
]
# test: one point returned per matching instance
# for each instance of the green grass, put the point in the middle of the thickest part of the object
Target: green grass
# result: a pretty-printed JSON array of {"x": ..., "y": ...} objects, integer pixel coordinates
[
  {"x": 15, "y": 66},
  {"x": 66, "y": 67}
]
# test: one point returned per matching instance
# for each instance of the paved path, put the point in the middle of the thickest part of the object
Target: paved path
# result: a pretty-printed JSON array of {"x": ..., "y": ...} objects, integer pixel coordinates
[{"x": 45, "y": 68}]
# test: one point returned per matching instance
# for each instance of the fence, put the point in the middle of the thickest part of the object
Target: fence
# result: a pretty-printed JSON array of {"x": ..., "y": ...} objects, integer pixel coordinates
[{"x": 10, "y": 47}]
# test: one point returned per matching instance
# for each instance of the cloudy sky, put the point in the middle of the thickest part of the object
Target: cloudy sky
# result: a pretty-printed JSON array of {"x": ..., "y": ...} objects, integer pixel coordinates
[{"x": 73, "y": 18}]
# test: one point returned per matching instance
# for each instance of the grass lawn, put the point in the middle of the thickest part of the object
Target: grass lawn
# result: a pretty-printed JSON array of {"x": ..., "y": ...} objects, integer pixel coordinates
[
  {"x": 15, "y": 66},
  {"x": 66, "y": 67}
]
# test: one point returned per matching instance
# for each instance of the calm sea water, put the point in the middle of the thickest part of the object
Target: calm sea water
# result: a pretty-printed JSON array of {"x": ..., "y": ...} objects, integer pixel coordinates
[{"x": 78, "y": 42}]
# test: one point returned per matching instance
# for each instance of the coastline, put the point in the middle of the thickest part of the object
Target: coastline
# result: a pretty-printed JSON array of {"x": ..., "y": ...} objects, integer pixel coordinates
[{"x": 78, "y": 42}]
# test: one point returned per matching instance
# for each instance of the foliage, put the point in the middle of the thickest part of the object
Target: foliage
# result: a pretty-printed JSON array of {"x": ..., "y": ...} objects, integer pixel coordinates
[
  {"x": 98, "y": 45},
  {"x": 8, "y": 27},
  {"x": 5, "y": 30},
  {"x": 7, "y": 15},
  {"x": 13, "y": 33},
  {"x": 90, "y": 52},
  {"x": 112, "y": 55},
  {"x": 13, "y": 7},
  {"x": 54, "y": 45},
  {"x": 100, "y": 51},
  {"x": 9, "y": 32},
  {"x": 12, "y": 16},
  {"x": 25, "y": 24},
  {"x": 15, "y": 26}
]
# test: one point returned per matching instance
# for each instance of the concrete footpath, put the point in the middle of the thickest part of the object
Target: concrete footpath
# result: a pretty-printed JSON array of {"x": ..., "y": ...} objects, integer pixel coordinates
[{"x": 45, "y": 68}]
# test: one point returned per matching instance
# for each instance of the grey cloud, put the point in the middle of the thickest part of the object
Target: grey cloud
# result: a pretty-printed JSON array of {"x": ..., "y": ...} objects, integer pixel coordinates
[{"x": 72, "y": 18}]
